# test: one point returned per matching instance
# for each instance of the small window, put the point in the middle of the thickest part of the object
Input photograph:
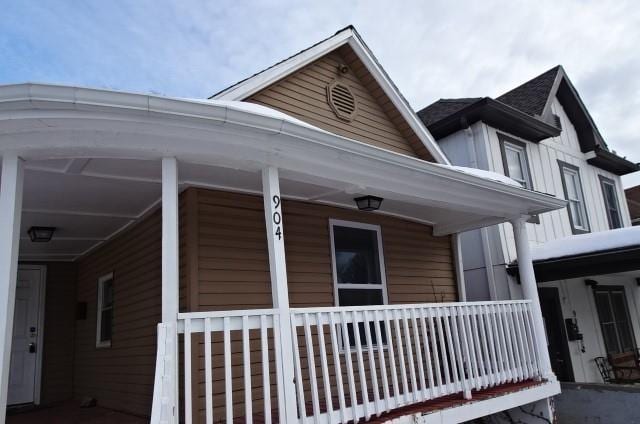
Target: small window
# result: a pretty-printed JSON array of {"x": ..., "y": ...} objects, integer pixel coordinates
[
  {"x": 514, "y": 160},
  {"x": 574, "y": 195},
  {"x": 613, "y": 313},
  {"x": 358, "y": 269},
  {"x": 105, "y": 311},
  {"x": 611, "y": 202}
]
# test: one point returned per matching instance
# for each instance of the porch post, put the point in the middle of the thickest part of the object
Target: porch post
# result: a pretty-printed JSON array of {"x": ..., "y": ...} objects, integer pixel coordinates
[
  {"x": 10, "y": 213},
  {"x": 170, "y": 267},
  {"x": 530, "y": 291},
  {"x": 280, "y": 292}
]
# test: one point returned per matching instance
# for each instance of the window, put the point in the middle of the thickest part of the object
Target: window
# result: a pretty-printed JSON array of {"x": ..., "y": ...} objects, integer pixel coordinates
[
  {"x": 358, "y": 267},
  {"x": 573, "y": 193},
  {"x": 611, "y": 202},
  {"x": 514, "y": 160},
  {"x": 611, "y": 304},
  {"x": 105, "y": 311}
]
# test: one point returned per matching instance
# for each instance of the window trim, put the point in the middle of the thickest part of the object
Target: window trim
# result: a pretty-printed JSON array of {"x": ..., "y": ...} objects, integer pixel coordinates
[
  {"x": 504, "y": 140},
  {"x": 564, "y": 165},
  {"x": 334, "y": 271},
  {"x": 611, "y": 288},
  {"x": 605, "y": 180},
  {"x": 100, "y": 309}
]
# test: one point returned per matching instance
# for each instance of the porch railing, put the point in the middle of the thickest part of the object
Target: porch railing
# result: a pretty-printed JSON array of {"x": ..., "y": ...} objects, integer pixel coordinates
[{"x": 351, "y": 363}]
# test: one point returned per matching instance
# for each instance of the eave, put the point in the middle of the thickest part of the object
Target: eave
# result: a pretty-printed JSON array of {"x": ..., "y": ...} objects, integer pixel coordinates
[
  {"x": 498, "y": 115},
  {"x": 595, "y": 263},
  {"x": 611, "y": 162}
]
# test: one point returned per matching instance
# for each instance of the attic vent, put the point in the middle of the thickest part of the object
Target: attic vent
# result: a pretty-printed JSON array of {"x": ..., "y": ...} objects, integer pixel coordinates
[
  {"x": 557, "y": 122},
  {"x": 342, "y": 101}
]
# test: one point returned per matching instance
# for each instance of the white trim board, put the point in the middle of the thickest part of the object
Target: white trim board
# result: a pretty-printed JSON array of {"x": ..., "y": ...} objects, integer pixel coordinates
[{"x": 350, "y": 36}]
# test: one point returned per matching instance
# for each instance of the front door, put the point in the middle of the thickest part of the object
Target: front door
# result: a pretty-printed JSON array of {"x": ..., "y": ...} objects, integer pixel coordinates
[
  {"x": 24, "y": 347},
  {"x": 556, "y": 334}
]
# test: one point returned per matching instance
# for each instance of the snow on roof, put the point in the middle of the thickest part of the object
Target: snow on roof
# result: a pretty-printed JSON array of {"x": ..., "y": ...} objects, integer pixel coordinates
[
  {"x": 583, "y": 244},
  {"x": 487, "y": 175}
]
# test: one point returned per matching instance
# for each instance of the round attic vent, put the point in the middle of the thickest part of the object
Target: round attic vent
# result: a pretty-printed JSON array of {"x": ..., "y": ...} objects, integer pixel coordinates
[{"x": 342, "y": 101}]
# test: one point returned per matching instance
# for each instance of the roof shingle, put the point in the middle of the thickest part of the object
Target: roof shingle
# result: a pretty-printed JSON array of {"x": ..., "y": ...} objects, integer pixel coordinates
[
  {"x": 443, "y": 108},
  {"x": 531, "y": 97}
]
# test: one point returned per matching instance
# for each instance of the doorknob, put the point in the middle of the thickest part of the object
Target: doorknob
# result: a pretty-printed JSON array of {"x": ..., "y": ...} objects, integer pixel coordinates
[{"x": 32, "y": 348}]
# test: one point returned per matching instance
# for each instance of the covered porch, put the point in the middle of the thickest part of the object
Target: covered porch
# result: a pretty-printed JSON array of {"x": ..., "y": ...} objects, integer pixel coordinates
[{"x": 127, "y": 157}]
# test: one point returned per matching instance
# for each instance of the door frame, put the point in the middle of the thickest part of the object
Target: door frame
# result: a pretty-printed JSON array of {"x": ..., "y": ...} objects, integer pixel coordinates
[
  {"x": 37, "y": 386},
  {"x": 566, "y": 350}
]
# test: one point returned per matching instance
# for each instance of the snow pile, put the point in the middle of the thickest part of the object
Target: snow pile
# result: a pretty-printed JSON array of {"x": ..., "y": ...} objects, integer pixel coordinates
[
  {"x": 487, "y": 175},
  {"x": 587, "y": 243},
  {"x": 257, "y": 109}
]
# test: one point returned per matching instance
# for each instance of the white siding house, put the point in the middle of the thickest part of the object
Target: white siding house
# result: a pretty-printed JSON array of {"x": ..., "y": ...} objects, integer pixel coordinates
[{"x": 474, "y": 136}]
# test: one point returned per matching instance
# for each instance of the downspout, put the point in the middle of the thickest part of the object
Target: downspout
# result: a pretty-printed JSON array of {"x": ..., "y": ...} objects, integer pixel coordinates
[{"x": 459, "y": 268}]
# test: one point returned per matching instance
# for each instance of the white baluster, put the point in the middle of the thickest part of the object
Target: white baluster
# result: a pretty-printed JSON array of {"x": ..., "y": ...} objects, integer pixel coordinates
[
  {"x": 228, "y": 381},
  {"x": 326, "y": 383},
  {"x": 208, "y": 375},
  {"x": 266, "y": 381},
  {"x": 338, "y": 367}
]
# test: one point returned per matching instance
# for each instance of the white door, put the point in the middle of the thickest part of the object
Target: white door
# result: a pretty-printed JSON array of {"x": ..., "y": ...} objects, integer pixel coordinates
[{"x": 24, "y": 348}]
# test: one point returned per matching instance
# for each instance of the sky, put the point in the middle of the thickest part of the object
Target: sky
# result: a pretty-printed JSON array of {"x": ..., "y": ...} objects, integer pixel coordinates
[{"x": 431, "y": 49}]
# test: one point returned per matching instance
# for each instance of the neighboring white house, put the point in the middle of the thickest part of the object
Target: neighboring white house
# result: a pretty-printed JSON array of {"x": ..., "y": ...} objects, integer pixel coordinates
[{"x": 541, "y": 135}]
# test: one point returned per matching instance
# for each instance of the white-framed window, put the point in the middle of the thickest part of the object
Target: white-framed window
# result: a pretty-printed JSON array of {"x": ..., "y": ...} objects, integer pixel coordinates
[
  {"x": 358, "y": 267},
  {"x": 573, "y": 194},
  {"x": 611, "y": 202},
  {"x": 104, "y": 322},
  {"x": 514, "y": 160}
]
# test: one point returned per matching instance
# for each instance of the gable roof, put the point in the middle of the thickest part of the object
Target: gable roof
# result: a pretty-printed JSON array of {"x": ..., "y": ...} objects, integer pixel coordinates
[
  {"x": 347, "y": 36},
  {"x": 532, "y": 96},
  {"x": 447, "y": 116},
  {"x": 533, "y": 99}
]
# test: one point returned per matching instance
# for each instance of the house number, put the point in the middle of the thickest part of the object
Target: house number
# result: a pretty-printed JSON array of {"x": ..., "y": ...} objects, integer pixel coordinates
[{"x": 277, "y": 218}]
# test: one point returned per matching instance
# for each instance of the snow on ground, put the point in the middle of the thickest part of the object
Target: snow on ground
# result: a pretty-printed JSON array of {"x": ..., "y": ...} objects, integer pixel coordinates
[{"x": 587, "y": 243}]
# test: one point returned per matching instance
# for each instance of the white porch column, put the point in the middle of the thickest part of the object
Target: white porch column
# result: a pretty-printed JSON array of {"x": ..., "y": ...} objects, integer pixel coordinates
[
  {"x": 10, "y": 214},
  {"x": 280, "y": 292},
  {"x": 170, "y": 268},
  {"x": 530, "y": 291}
]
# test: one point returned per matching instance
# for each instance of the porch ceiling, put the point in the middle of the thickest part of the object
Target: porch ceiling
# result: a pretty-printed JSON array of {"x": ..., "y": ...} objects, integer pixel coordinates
[{"x": 93, "y": 161}]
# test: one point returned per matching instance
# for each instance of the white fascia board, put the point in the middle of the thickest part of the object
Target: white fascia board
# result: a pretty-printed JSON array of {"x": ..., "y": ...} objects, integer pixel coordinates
[
  {"x": 397, "y": 99},
  {"x": 285, "y": 143},
  {"x": 262, "y": 80}
]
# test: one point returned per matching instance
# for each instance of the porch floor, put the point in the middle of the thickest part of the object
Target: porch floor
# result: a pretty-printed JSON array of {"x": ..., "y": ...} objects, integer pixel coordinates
[{"x": 70, "y": 413}]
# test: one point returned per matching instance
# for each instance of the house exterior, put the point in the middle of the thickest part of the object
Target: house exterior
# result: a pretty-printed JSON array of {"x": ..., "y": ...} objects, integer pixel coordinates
[
  {"x": 207, "y": 261},
  {"x": 585, "y": 258}
]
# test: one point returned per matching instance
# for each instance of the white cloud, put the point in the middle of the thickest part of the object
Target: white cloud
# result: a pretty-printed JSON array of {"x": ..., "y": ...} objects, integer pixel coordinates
[{"x": 431, "y": 49}]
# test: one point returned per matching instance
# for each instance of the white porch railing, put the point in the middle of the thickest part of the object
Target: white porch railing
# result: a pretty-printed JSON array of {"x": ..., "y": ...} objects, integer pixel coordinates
[{"x": 350, "y": 363}]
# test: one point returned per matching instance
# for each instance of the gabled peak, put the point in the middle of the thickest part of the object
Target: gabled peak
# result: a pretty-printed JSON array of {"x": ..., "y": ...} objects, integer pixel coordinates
[{"x": 532, "y": 96}]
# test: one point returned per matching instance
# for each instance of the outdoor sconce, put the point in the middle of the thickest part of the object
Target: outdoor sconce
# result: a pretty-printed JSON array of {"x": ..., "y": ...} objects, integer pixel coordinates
[
  {"x": 591, "y": 283},
  {"x": 368, "y": 203},
  {"x": 41, "y": 234}
]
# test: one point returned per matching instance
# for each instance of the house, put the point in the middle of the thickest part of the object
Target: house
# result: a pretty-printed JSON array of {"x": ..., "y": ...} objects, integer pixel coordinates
[
  {"x": 285, "y": 251},
  {"x": 586, "y": 260},
  {"x": 633, "y": 200}
]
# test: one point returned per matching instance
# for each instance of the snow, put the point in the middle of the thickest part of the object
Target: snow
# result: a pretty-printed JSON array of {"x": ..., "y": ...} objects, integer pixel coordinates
[
  {"x": 487, "y": 175},
  {"x": 587, "y": 243},
  {"x": 257, "y": 109}
]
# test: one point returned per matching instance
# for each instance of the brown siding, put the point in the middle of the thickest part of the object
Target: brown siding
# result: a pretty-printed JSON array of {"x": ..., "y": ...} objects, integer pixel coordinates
[
  {"x": 121, "y": 377},
  {"x": 234, "y": 263},
  {"x": 59, "y": 322},
  {"x": 233, "y": 266},
  {"x": 303, "y": 95}
]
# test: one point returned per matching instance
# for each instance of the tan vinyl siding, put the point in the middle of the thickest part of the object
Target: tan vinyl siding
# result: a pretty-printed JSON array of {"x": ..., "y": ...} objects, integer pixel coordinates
[
  {"x": 121, "y": 377},
  {"x": 233, "y": 267},
  {"x": 303, "y": 95},
  {"x": 59, "y": 322}
]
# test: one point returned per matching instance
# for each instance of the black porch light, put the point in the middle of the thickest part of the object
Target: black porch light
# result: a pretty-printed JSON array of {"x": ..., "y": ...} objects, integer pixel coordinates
[
  {"x": 41, "y": 234},
  {"x": 368, "y": 203}
]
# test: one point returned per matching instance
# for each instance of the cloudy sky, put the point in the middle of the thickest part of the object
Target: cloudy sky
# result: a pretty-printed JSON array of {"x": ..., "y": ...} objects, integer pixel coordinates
[{"x": 431, "y": 49}]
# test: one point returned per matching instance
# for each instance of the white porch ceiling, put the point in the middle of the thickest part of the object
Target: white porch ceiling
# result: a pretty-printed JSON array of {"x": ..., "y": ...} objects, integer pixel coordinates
[{"x": 89, "y": 201}]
